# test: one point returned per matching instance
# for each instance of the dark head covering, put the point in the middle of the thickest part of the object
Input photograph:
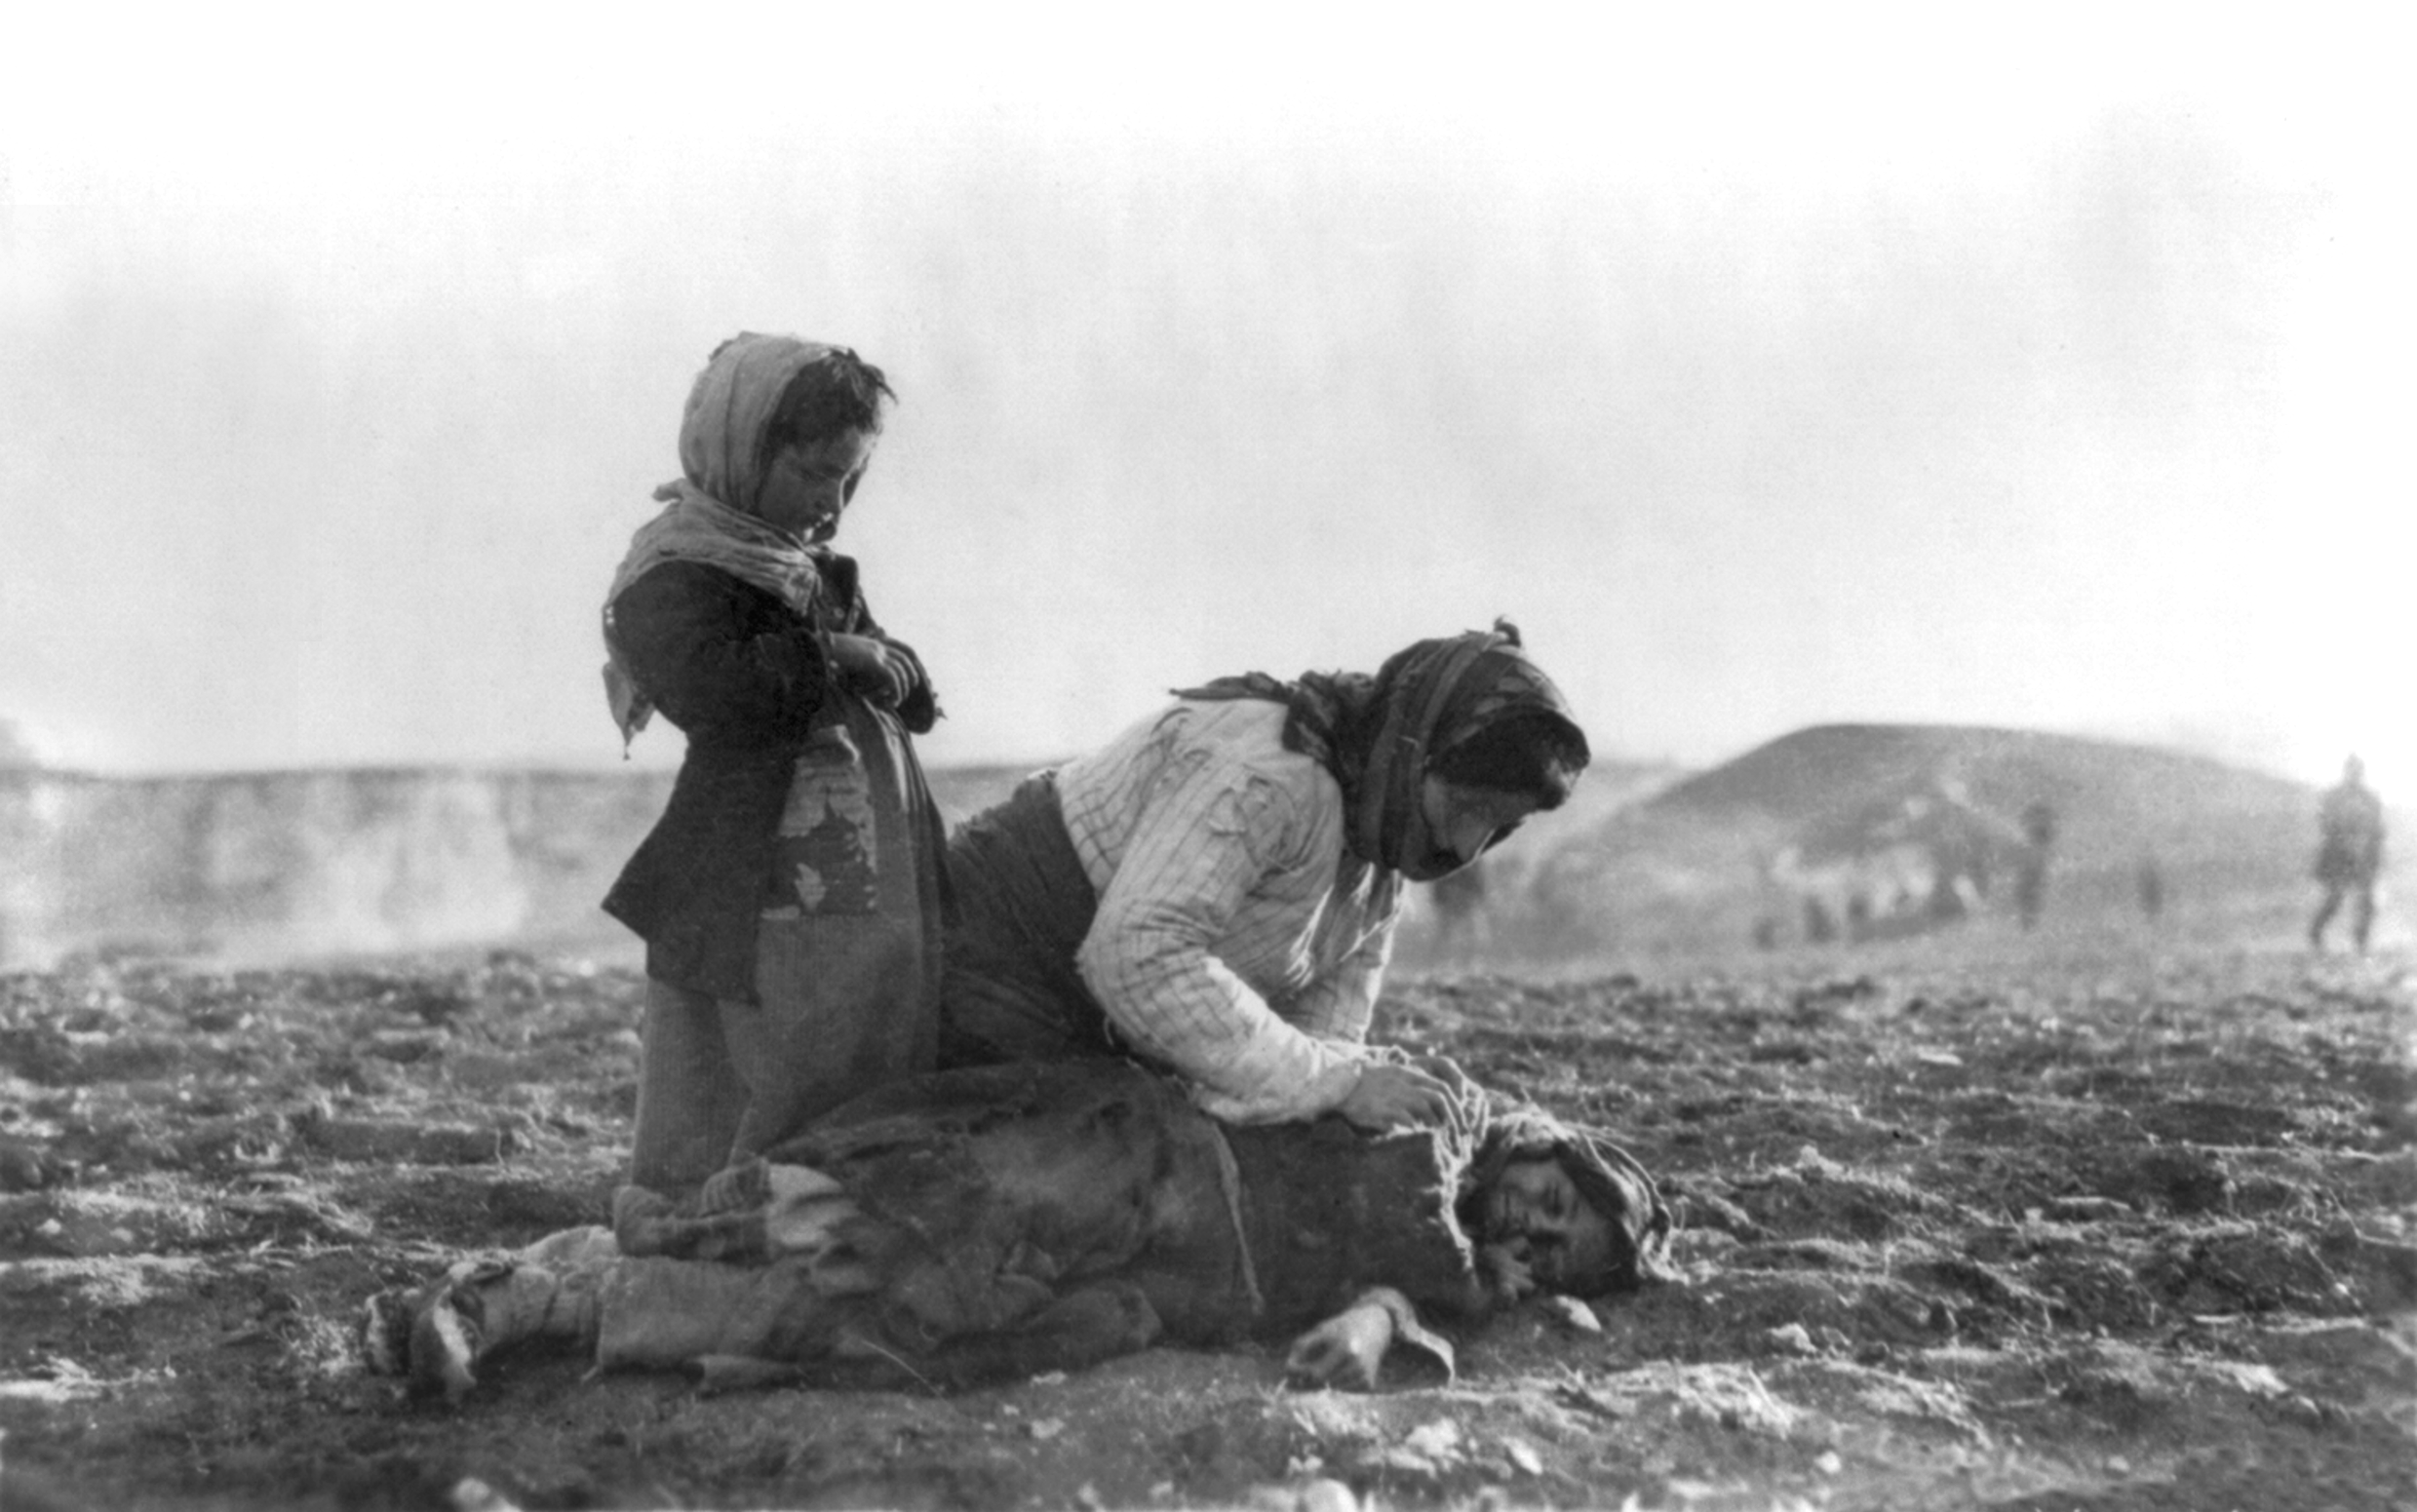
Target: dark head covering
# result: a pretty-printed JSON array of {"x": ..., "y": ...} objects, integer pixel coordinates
[
  {"x": 1377, "y": 734},
  {"x": 1607, "y": 1176}
]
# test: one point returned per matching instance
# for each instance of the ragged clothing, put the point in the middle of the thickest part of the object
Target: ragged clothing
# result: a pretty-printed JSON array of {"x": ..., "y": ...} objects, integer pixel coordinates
[
  {"x": 775, "y": 746},
  {"x": 963, "y": 1212},
  {"x": 976, "y": 1224},
  {"x": 791, "y": 895},
  {"x": 976, "y": 1203}
]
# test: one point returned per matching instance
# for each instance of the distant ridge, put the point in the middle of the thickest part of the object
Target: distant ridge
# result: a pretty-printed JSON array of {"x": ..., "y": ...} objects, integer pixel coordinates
[
  {"x": 2111, "y": 797},
  {"x": 1647, "y": 859},
  {"x": 1724, "y": 855},
  {"x": 287, "y": 864}
]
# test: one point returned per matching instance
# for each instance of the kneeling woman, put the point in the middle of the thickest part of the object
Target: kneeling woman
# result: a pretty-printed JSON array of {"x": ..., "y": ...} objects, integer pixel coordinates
[
  {"x": 980, "y": 1225},
  {"x": 1216, "y": 891}
]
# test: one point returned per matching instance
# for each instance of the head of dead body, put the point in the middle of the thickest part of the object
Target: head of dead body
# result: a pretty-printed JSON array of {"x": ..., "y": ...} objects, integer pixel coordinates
[{"x": 1576, "y": 1207}]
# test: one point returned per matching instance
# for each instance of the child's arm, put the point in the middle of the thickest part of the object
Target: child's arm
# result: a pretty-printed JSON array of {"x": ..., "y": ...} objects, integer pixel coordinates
[
  {"x": 698, "y": 642},
  {"x": 919, "y": 709}
]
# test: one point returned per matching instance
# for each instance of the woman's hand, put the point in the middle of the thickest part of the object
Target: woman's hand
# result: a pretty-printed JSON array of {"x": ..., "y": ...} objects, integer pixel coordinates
[
  {"x": 1397, "y": 1097},
  {"x": 873, "y": 668}
]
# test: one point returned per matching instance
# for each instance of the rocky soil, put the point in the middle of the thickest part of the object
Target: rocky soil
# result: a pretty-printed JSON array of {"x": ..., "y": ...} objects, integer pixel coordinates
[{"x": 2110, "y": 1229}]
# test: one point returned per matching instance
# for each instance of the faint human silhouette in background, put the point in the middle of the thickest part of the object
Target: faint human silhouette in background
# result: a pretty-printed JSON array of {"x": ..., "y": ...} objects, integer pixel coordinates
[
  {"x": 1461, "y": 920},
  {"x": 2039, "y": 835},
  {"x": 2350, "y": 852},
  {"x": 2149, "y": 879},
  {"x": 1943, "y": 823}
]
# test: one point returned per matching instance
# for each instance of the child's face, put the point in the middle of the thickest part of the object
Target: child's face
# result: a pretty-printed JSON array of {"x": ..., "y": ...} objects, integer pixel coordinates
[
  {"x": 808, "y": 487},
  {"x": 1537, "y": 1212}
]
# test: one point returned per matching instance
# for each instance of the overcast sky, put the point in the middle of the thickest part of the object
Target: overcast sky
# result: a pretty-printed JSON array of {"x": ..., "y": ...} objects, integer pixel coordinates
[{"x": 2049, "y": 373}]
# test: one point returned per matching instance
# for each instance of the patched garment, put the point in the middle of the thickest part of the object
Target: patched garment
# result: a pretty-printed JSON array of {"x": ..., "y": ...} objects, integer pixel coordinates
[
  {"x": 850, "y": 821},
  {"x": 982, "y": 1223},
  {"x": 797, "y": 792},
  {"x": 976, "y": 1222},
  {"x": 987, "y": 1191},
  {"x": 790, "y": 896},
  {"x": 1027, "y": 1217},
  {"x": 797, "y": 799}
]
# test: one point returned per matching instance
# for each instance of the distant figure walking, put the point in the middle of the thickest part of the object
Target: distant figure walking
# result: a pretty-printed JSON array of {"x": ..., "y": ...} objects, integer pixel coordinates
[
  {"x": 2350, "y": 852},
  {"x": 2150, "y": 879},
  {"x": 2038, "y": 835}
]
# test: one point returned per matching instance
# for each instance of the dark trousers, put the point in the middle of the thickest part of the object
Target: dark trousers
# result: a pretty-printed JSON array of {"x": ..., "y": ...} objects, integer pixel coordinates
[{"x": 844, "y": 1006}]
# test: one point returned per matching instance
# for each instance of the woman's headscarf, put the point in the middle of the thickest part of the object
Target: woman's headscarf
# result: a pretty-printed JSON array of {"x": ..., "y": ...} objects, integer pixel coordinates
[
  {"x": 1377, "y": 734},
  {"x": 709, "y": 515}
]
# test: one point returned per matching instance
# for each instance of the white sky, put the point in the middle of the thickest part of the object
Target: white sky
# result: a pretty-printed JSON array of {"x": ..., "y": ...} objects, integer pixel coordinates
[{"x": 2046, "y": 372}]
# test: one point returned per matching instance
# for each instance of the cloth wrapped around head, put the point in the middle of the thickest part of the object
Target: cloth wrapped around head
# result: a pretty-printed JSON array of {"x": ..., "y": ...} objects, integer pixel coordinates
[
  {"x": 1607, "y": 1176},
  {"x": 728, "y": 431},
  {"x": 1381, "y": 735}
]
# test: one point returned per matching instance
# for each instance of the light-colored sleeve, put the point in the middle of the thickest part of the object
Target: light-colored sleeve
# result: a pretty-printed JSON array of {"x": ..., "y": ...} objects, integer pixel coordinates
[
  {"x": 1210, "y": 832},
  {"x": 1341, "y": 1004}
]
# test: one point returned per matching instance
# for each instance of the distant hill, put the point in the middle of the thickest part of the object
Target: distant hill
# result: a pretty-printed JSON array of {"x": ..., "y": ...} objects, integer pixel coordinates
[
  {"x": 1646, "y": 859},
  {"x": 281, "y": 866},
  {"x": 268, "y": 866},
  {"x": 1736, "y": 852},
  {"x": 2111, "y": 798}
]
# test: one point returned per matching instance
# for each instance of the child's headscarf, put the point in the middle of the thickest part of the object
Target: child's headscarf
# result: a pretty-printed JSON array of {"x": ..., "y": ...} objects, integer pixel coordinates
[
  {"x": 1377, "y": 734},
  {"x": 710, "y": 515}
]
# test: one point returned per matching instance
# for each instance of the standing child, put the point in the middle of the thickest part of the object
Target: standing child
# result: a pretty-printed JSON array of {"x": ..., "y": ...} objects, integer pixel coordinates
[{"x": 789, "y": 895}]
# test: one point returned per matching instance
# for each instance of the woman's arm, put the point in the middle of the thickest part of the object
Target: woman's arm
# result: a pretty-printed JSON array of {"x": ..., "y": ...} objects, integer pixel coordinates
[
  {"x": 1211, "y": 832},
  {"x": 1341, "y": 1004}
]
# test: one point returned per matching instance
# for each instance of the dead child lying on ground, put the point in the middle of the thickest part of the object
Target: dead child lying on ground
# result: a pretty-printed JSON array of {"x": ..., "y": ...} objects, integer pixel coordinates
[{"x": 982, "y": 1224}]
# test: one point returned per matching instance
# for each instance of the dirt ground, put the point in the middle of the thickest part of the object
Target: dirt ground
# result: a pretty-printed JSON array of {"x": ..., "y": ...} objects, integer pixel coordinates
[{"x": 2104, "y": 1230}]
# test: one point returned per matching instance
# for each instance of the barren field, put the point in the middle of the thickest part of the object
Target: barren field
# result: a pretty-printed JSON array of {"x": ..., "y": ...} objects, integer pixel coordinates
[{"x": 2126, "y": 1230}]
